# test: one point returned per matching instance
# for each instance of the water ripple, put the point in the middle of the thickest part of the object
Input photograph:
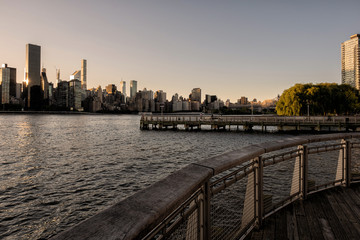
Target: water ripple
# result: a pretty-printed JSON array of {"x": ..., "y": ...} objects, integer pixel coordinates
[{"x": 57, "y": 170}]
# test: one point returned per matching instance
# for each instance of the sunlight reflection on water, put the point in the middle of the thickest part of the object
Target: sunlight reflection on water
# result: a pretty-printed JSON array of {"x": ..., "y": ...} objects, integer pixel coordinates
[{"x": 57, "y": 170}]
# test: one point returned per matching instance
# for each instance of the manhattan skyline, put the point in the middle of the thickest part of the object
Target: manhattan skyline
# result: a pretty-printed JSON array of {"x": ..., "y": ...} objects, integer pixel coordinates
[{"x": 229, "y": 49}]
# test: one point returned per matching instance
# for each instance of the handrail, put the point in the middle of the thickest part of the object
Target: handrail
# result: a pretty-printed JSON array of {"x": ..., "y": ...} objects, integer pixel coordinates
[{"x": 186, "y": 202}]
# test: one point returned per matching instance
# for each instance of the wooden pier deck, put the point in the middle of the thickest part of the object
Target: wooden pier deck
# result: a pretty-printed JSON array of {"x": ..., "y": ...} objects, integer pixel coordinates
[
  {"x": 330, "y": 214},
  {"x": 247, "y": 122}
]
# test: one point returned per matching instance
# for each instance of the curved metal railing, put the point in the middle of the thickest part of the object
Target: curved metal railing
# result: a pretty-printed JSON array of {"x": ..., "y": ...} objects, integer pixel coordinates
[{"x": 226, "y": 196}]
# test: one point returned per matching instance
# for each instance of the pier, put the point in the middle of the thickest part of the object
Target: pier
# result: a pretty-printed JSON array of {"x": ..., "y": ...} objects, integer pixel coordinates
[
  {"x": 303, "y": 187},
  {"x": 248, "y": 123}
]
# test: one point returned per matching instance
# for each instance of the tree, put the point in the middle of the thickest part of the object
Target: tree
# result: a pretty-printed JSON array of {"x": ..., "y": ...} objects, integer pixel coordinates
[{"x": 323, "y": 99}]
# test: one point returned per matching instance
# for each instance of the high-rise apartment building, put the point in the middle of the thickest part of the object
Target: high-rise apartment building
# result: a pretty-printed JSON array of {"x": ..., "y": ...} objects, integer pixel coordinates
[
  {"x": 350, "y": 61},
  {"x": 32, "y": 75},
  {"x": 133, "y": 88},
  {"x": 83, "y": 74}
]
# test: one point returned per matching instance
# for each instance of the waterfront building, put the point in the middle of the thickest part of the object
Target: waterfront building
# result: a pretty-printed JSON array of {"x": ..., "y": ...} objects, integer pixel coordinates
[
  {"x": 83, "y": 74},
  {"x": 7, "y": 83},
  {"x": 209, "y": 99},
  {"x": 186, "y": 106},
  {"x": 99, "y": 94},
  {"x": 133, "y": 88},
  {"x": 195, "y": 106},
  {"x": 58, "y": 76},
  {"x": 195, "y": 95},
  {"x": 160, "y": 96},
  {"x": 350, "y": 61},
  {"x": 76, "y": 75},
  {"x": 18, "y": 90},
  {"x": 144, "y": 101},
  {"x": 243, "y": 100},
  {"x": 123, "y": 87},
  {"x": 111, "y": 89},
  {"x": 32, "y": 77},
  {"x": 75, "y": 94},
  {"x": 177, "y": 106},
  {"x": 44, "y": 84},
  {"x": 51, "y": 93},
  {"x": 63, "y": 94}
]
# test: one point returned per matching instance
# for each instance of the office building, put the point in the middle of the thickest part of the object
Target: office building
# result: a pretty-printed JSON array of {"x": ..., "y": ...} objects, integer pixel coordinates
[
  {"x": 44, "y": 84},
  {"x": 75, "y": 94},
  {"x": 58, "y": 76},
  {"x": 32, "y": 74},
  {"x": 7, "y": 83},
  {"x": 18, "y": 90},
  {"x": 123, "y": 87},
  {"x": 111, "y": 89},
  {"x": 160, "y": 96},
  {"x": 195, "y": 95},
  {"x": 76, "y": 75},
  {"x": 350, "y": 61},
  {"x": 133, "y": 88},
  {"x": 62, "y": 97},
  {"x": 83, "y": 74}
]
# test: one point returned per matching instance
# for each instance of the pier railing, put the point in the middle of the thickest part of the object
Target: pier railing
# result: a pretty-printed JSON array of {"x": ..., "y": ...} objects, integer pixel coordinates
[
  {"x": 249, "y": 118},
  {"x": 227, "y": 196},
  {"x": 248, "y": 121}
]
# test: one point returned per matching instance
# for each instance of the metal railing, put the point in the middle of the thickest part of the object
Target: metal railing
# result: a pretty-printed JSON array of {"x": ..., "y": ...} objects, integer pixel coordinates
[{"x": 227, "y": 196}]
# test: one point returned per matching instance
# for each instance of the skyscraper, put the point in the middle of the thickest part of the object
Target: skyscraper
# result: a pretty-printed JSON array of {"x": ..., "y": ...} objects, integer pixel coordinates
[
  {"x": 123, "y": 87},
  {"x": 83, "y": 74},
  {"x": 32, "y": 74},
  {"x": 133, "y": 88},
  {"x": 195, "y": 95},
  {"x": 350, "y": 61},
  {"x": 44, "y": 84},
  {"x": 7, "y": 83},
  {"x": 76, "y": 75},
  {"x": 75, "y": 94},
  {"x": 4, "y": 85}
]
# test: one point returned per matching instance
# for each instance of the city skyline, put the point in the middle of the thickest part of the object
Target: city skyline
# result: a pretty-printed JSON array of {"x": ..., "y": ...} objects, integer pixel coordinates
[{"x": 228, "y": 49}]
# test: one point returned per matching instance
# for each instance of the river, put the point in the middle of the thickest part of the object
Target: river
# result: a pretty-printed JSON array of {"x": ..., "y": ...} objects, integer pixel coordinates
[{"x": 57, "y": 170}]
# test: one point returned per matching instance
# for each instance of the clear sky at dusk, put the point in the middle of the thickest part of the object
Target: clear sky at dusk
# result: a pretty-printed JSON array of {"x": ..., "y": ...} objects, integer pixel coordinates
[{"x": 228, "y": 48}]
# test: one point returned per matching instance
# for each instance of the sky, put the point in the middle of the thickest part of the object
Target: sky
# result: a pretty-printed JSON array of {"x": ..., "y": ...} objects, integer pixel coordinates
[{"x": 227, "y": 48}]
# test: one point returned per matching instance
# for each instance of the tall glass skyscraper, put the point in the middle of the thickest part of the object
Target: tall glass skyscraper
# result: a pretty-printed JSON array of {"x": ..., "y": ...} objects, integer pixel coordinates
[
  {"x": 350, "y": 61},
  {"x": 123, "y": 87},
  {"x": 32, "y": 75},
  {"x": 133, "y": 88},
  {"x": 83, "y": 74}
]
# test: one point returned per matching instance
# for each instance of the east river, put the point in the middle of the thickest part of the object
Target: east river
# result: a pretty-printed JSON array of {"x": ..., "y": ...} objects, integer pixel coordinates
[{"x": 57, "y": 170}]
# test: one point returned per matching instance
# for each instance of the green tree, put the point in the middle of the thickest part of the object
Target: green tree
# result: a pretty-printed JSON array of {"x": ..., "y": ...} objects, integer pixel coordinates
[{"x": 323, "y": 99}]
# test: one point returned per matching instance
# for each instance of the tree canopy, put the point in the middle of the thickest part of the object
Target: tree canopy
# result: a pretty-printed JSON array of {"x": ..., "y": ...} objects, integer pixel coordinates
[{"x": 323, "y": 99}]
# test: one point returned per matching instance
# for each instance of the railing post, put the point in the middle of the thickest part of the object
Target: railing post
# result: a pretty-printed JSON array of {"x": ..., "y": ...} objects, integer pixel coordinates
[
  {"x": 347, "y": 164},
  {"x": 205, "y": 228},
  {"x": 343, "y": 172},
  {"x": 304, "y": 171},
  {"x": 259, "y": 195},
  {"x": 299, "y": 185}
]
